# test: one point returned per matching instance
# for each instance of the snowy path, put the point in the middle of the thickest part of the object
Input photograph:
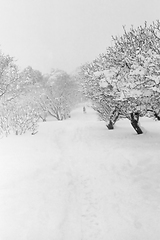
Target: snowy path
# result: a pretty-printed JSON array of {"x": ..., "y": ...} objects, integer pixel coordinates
[
  {"x": 111, "y": 193},
  {"x": 85, "y": 183}
]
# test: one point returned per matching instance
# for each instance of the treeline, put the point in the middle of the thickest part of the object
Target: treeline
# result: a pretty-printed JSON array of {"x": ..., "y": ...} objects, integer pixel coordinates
[
  {"x": 28, "y": 96},
  {"x": 125, "y": 80}
]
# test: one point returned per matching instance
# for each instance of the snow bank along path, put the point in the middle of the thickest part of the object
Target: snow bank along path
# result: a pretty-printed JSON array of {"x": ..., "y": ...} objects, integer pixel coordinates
[{"x": 75, "y": 180}]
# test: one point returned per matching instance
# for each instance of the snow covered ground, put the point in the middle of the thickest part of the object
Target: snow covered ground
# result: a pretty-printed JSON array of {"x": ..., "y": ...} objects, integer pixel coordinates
[{"x": 75, "y": 180}]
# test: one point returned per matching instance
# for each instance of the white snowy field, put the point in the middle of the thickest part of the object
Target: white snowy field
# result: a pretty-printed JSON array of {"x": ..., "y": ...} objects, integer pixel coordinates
[{"x": 76, "y": 180}]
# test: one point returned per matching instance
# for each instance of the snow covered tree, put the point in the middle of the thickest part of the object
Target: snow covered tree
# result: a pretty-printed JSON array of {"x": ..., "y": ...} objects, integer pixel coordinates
[
  {"x": 19, "y": 98},
  {"x": 127, "y": 74},
  {"x": 9, "y": 78},
  {"x": 30, "y": 79},
  {"x": 24, "y": 116},
  {"x": 9, "y": 90},
  {"x": 31, "y": 76},
  {"x": 33, "y": 86},
  {"x": 60, "y": 94}
]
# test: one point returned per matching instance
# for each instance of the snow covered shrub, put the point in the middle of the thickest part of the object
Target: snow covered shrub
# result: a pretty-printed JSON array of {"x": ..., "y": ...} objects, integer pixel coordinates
[
  {"x": 127, "y": 76},
  {"x": 102, "y": 109},
  {"x": 60, "y": 95},
  {"x": 24, "y": 118},
  {"x": 5, "y": 127},
  {"x": 18, "y": 118}
]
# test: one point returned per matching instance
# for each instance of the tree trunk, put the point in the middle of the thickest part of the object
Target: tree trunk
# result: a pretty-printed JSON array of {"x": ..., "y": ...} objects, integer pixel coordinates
[
  {"x": 134, "y": 122},
  {"x": 110, "y": 125},
  {"x": 155, "y": 114},
  {"x": 113, "y": 118}
]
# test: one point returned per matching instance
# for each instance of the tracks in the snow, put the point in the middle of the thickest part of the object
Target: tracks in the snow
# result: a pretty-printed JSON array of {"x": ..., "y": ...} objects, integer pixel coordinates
[{"x": 82, "y": 171}]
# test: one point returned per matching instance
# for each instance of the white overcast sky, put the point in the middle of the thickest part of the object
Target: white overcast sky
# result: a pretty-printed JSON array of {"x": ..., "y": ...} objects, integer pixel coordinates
[{"x": 64, "y": 34}]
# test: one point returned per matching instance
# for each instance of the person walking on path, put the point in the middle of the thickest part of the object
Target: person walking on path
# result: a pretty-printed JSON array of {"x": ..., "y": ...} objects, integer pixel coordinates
[{"x": 84, "y": 109}]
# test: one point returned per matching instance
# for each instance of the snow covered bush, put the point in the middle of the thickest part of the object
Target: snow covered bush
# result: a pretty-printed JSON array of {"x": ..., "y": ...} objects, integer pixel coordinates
[
  {"x": 125, "y": 79},
  {"x": 5, "y": 127},
  {"x": 24, "y": 118},
  {"x": 18, "y": 105},
  {"x": 59, "y": 95},
  {"x": 18, "y": 118}
]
